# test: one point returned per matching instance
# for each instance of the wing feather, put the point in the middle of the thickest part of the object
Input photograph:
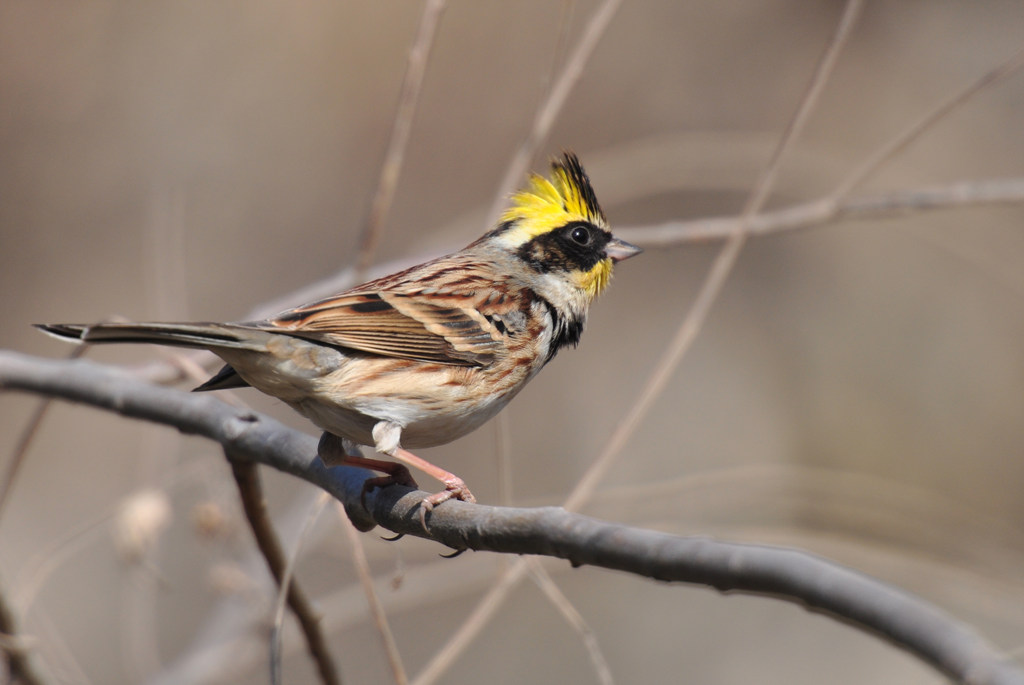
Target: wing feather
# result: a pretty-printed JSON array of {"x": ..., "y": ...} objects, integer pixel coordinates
[{"x": 444, "y": 329}]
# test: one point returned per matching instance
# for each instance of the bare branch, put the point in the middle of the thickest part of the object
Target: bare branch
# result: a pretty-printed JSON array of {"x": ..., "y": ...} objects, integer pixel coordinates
[
  {"x": 819, "y": 585},
  {"x": 915, "y": 130},
  {"x": 483, "y": 612},
  {"x": 552, "y": 105},
  {"x": 380, "y": 619},
  {"x": 284, "y": 596},
  {"x": 810, "y": 214},
  {"x": 20, "y": 660},
  {"x": 251, "y": 492},
  {"x": 402, "y": 126},
  {"x": 695, "y": 317},
  {"x": 28, "y": 434},
  {"x": 575, "y": 620},
  {"x": 822, "y": 71},
  {"x": 724, "y": 262}
]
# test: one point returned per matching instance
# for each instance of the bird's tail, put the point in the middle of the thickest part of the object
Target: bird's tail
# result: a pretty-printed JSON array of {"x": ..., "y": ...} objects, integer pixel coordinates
[{"x": 207, "y": 336}]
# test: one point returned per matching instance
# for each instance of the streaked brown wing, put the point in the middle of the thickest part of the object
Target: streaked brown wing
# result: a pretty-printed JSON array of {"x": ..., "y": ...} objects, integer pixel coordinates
[{"x": 447, "y": 330}]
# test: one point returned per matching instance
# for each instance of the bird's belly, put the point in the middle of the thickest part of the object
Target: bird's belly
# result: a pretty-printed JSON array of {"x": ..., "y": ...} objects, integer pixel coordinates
[
  {"x": 426, "y": 422},
  {"x": 347, "y": 396},
  {"x": 433, "y": 406},
  {"x": 443, "y": 427}
]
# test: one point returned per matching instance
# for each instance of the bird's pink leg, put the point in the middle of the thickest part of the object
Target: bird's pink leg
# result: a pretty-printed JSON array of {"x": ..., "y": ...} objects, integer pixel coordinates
[{"x": 454, "y": 486}]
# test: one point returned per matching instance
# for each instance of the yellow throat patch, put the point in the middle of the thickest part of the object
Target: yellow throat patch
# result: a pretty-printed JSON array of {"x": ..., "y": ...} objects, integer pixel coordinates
[{"x": 595, "y": 280}]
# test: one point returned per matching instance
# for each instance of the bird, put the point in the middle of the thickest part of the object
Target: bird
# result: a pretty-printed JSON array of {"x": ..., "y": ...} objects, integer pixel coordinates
[{"x": 426, "y": 355}]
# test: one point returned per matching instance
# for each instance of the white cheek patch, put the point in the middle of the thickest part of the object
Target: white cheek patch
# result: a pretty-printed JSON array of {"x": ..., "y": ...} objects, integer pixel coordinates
[{"x": 560, "y": 292}]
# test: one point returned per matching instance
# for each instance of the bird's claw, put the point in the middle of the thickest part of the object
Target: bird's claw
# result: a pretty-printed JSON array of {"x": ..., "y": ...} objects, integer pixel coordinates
[{"x": 455, "y": 488}]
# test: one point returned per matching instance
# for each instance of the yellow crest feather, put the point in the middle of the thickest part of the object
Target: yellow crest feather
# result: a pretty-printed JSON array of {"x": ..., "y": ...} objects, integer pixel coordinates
[{"x": 546, "y": 205}]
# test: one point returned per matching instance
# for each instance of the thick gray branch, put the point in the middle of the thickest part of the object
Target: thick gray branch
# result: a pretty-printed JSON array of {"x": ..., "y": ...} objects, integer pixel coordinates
[{"x": 814, "y": 583}]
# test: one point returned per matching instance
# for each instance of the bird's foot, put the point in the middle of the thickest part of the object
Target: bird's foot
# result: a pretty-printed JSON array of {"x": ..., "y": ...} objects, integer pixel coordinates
[{"x": 455, "y": 488}]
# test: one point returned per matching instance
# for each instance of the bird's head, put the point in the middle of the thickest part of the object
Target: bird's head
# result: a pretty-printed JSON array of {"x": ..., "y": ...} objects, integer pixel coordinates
[{"x": 557, "y": 227}]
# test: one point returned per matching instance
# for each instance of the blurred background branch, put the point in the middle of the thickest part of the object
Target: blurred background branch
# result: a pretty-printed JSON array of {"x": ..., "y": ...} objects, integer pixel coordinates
[{"x": 824, "y": 211}]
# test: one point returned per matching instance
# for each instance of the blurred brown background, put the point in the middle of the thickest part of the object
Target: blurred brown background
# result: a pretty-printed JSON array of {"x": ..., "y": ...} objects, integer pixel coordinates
[{"x": 858, "y": 390}]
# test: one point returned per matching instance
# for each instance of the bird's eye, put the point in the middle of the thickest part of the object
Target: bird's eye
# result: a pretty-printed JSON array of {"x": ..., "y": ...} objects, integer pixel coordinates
[{"x": 580, "y": 235}]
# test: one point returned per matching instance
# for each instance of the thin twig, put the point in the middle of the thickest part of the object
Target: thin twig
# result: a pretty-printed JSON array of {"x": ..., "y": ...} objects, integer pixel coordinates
[
  {"x": 251, "y": 492},
  {"x": 543, "y": 121},
  {"x": 482, "y": 613},
  {"x": 766, "y": 181},
  {"x": 805, "y": 215},
  {"x": 20, "y": 656},
  {"x": 66, "y": 665},
  {"x": 552, "y": 106},
  {"x": 555, "y": 595},
  {"x": 37, "y": 572},
  {"x": 561, "y": 45},
  {"x": 400, "y": 129},
  {"x": 28, "y": 434},
  {"x": 286, "y": 584},
  {"x": 720, "y": 270},
  {"x": 380, "y": 619},
  {"x": 40, "y": 567},
  {"x": 961, "y": 194},
  {"x": 166, "y": 287},
  {"x": 914, "y": 131},
  {"x": 501, "y": 422},
  {"x": 809, "y": 581},
  {"x": 837, "y": 206}
]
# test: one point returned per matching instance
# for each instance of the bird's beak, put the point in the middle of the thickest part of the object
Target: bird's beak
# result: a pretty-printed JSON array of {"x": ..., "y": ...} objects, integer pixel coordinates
[{"x": 618, "y": 250}]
